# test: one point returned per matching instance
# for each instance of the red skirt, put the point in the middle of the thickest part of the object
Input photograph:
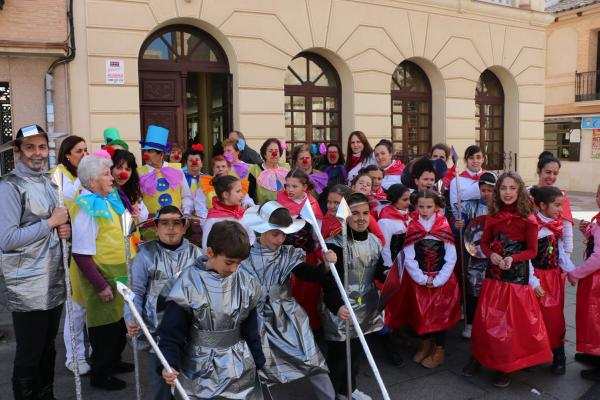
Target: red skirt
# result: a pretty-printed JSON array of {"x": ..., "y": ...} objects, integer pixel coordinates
[
  {"x": 587, "y": 314},
  {"x": 508, "y": 330},
  {"x": 426, "y": 309},
  {"x": 308, "y": 294},
  {"x": 552, "y": 304}
]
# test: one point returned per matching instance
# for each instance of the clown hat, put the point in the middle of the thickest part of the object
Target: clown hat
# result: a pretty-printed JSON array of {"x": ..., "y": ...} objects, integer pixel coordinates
[
  {"x": 156, "y": 139},
  {"x": 257, "y": 219},
  {"x": 112, "y": 137}
]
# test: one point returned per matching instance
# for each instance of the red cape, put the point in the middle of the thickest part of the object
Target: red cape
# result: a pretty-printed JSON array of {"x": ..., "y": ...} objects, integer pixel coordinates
[
  {"x": 379, "y": 194},
  {"x": 295, "y": 208},
  {"x": 505, "y": 216},
  {"x": 391, "y": 212},
  {"x": 566, "y": 209},
  {"x": 395, "y": 168},
  {"x": 555, "y": 226},
  {"x": 440, "y": 230},
  {"x": 465, "y": 174},
  {"x": 220, "y": 210}
]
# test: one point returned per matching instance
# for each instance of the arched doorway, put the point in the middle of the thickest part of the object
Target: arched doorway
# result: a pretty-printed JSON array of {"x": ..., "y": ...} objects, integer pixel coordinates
[
  {"x": 489, "y": 110},
  {"x": 411, "y": 111},
  {"x": 312, "y": 101},
  {"x": 185, "y": 86}
]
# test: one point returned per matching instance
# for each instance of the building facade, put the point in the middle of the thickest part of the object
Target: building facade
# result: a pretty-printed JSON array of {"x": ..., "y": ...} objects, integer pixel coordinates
[
  {"x": 313, "y": 71},
  {"x": 33, "y": 35},
  {"x": 572, "y": 111}
]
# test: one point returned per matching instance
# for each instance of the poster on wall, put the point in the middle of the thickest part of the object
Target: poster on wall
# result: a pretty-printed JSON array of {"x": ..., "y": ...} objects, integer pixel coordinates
[
  {"x": 596, "y": 143},
  {"x": 115, "y": 72}
]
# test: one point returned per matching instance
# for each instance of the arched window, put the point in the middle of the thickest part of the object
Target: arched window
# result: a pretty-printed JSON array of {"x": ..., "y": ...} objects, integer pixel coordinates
[
  {"x": 489, "y": 110},
  {"x": 312, "y": 101},
  {"x": 411, "y": 111}
]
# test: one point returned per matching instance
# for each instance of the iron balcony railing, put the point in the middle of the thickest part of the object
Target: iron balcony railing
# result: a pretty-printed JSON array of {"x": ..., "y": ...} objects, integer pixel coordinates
[{"x": 586, "y": 85}]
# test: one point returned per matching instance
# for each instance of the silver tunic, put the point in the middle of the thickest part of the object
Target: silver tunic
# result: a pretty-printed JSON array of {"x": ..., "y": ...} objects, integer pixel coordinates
[
  {"x": 363, "y": 294},
  {"x": 32, "y": 276},
  {"x": 217, "y": 362},
  {"x": 163, "y": 266},
  {"x": 288, "y": 343}
]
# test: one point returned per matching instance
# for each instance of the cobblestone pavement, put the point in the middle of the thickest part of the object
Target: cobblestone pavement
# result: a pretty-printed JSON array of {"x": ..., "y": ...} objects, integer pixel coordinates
[{"x": 409, "y": 382}]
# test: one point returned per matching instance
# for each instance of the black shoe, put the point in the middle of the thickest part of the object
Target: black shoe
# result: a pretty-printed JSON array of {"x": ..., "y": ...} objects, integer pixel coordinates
[
  {"x": 107, "y": 382},
  {"x": 46, "y": 393},
  {"x": 123, "y": 367},
  {"x": 587, "y": 359},
  {"x": 472, "y": 368},
  {"x": 591, "y": 374},
  {"x": 396, "y": 359},
  {"x": 501, "y": 379},
  {"x": 24, "y": 389},
  {"x": 559, "y": 362}
]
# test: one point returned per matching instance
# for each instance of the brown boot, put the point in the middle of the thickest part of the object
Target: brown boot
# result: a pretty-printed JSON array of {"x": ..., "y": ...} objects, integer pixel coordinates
[
  {"x": 425, "y": 349},
  {"x": 435, "y": 359}
]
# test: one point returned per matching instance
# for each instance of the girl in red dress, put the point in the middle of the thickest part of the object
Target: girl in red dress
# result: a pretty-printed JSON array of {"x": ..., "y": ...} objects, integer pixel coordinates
[
  {"x": 587, "y": 317},
  {"x": 430, "y": 288},
  {"x": 549, "y": 263},
  {"x": 508, "y": 329}
]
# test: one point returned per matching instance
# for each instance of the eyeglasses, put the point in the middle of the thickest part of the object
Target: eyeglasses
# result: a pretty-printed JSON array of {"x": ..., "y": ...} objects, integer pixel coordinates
[{"x": 171, "y": 223}]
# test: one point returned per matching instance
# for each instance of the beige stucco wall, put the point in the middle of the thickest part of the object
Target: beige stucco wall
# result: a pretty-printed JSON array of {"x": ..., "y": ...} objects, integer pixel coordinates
[
  {"x": 571, "y": 44},
  {"x": 453, "y": 41}
]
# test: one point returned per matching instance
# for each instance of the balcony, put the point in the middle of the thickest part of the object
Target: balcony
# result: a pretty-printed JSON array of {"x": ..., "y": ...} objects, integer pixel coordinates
[{"x": 586, "y": 86}]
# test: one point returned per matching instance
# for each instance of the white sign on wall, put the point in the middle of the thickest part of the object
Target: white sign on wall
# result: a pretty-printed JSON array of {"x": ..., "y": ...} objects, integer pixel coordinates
[{"x": 115, "y": 72}]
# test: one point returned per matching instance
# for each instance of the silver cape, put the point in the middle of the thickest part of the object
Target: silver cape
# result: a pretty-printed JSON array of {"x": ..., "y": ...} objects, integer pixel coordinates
[
  {"x": 217, "y": 362},
  {"x": 163, "y": 267},
  {"x": 363, "y": 294},
  {"x": 32, "y": 276},
  {"x": 288, "y": 343}
]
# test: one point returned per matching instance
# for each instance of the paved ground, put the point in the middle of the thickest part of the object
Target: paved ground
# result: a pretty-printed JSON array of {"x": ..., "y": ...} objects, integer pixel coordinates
[{"x": 409, "y": 382}]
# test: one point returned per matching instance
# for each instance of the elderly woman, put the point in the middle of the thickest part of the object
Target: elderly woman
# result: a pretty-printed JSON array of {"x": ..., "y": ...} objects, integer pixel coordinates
[
  {"x": 99, "y": 252},
  {"x": 268, "y": 178}
]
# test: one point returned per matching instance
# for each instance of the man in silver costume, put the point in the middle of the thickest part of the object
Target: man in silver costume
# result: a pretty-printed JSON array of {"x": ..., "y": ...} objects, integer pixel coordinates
[
  {"x": 287, "y": 339},
  {"x": 155, "y": 268},
  {"x": 209, "y": 330},
  {"x": 365, "y": 265},
  {"x": 31, "y": 269}
]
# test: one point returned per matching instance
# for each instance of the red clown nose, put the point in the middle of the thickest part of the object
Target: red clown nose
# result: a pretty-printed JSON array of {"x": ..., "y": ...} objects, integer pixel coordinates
[
  {"x": 123, "y": 175},
  {"x": 332, "y": 156},
  {"x": 305, "y": 161},
  {"x": 274, "y": 153},
  {"x": 145, "y": 157},
  {"x": 194, "y": 162}
]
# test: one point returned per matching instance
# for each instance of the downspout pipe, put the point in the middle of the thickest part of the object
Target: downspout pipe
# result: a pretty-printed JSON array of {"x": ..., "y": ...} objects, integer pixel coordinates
[{"x": 49, "y": 83}]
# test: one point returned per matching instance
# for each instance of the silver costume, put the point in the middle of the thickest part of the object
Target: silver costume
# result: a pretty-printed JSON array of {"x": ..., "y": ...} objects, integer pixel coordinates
[
  {"x": 287, "y": 340},
  {"x": 475, "y": 267},
  {"x": 32, "y": 276},
  {"x": 162, "y": 267},
  {"x": 216, "y": 361},
  {"x": 363, "y": 294}
]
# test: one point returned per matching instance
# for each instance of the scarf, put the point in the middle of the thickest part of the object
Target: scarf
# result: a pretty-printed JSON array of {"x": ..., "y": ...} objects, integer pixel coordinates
[
  {"x": 391, "y": 212},
  {"x": 440, "y": 230},
  {"x": 555, "y": 226},
  {"x": 295, "y": 207},
  {"x": 354, "y": 161},
  {"x": 566, "y": 209},
  {"x": 395, "y": 168},
  {"x": 97, "y": 206},
  {"x": 220, "y": 210},
  {"x": 148, "y": 181},
  {"x": 241, "y": 169},
  {"x": 272, "y": 179},
  {"x": 477, "y": 177},
  {"x": 331, "y": 226},
  {"x": 379, "y": 194}
]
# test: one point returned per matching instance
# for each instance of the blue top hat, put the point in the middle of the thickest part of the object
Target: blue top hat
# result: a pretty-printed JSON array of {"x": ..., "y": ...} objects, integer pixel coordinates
[{"x": 156, "y": 139}]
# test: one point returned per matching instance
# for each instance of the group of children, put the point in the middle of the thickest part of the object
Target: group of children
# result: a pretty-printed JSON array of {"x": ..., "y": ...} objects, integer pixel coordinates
[{"x": 236, "y": 308}]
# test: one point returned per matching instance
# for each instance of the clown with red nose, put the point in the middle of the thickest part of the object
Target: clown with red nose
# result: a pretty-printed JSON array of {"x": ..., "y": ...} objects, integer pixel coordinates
[{"x": 161, "y": 183}]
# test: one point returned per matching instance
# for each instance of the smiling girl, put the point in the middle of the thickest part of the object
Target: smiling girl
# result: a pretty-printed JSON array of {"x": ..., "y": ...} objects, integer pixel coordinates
[
  {"x": 392, "y": 169},
  {"x": 469, "y": 178},
  {"x": 360, "y": 154}
]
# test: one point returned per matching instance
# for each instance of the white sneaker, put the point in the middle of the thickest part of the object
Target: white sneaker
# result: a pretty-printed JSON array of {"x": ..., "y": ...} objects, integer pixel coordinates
[
  {"x": 466, "y": 333},
  {"x": 84, "y": 367},
  {"x": 358, "y": 395}
]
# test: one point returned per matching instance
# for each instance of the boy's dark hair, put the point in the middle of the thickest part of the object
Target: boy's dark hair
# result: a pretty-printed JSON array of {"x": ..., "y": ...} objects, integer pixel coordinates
[
  {"x": 430, "y": 194},
  {"x": 357, "y": 198},
  {"x": 340, "y": 189},
  {"x": 395, "y": 192},
  {"x": 441, "y": 146},
  {"x": 545, "y": 194},
  {"x": 223, "y": 184},
  {"x": 302, "y": 177},
  {"x": 545, "y": 158},
  {"x": 170, "y": 209},
  {"x": 192, "y": 152},
  {"x": 472, "y": 150},
  {"x": 372, "y": 168},
  {"x": 281, "y": 217},
  {"x": 229, "y": 239},
  {"x": 421, "y": 166}
]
